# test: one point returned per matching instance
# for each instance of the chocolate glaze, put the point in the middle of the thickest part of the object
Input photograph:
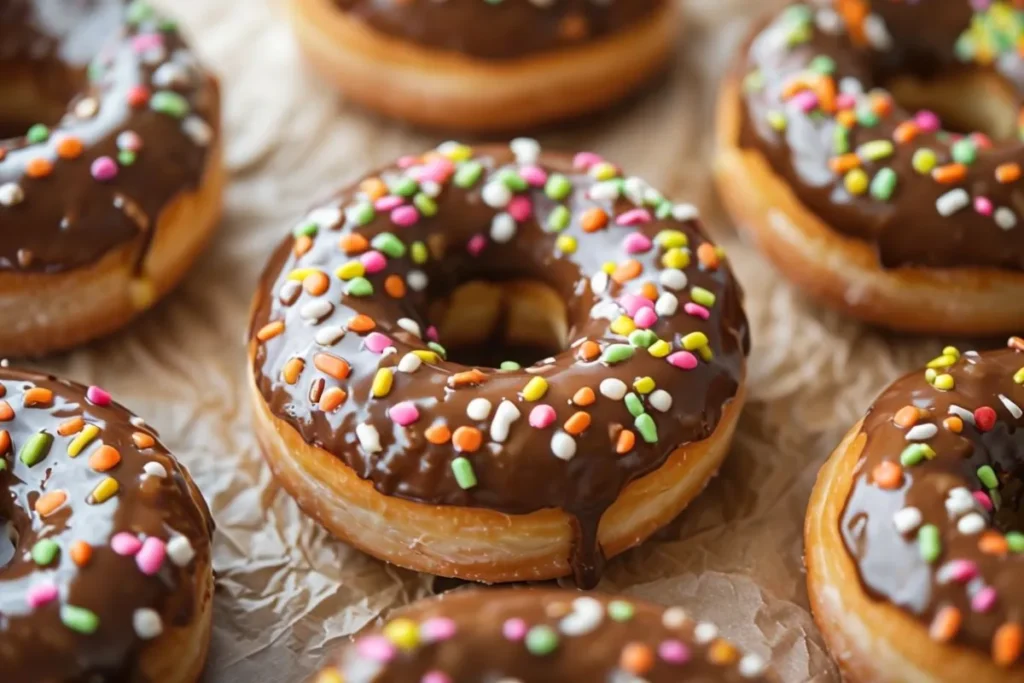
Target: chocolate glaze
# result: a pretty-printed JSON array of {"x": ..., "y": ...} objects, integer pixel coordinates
[
  {"x": 34, "y": 643},
  {"x": 91, "y": 55},
  {"x": 906, "y": 230},
  {"x": 889, "y": 562},
  {"x": 589, "y": 648},
  {"x": 520, "y": 475},
  {"x": 502, "y": 31}
]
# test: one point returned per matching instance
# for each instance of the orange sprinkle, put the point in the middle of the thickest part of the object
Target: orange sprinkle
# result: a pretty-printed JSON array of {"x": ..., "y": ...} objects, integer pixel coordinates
[
  {"x": 438, "y": 434},
  {"x": 627, "y": 270},
  {"x": 38, "y": 397},
  {"x": 881, "y": 103},
  {"x": 888, "y": 475},
  {"x": 3, "y": 390},
  {"x": 394, "y": 285},
  {"x": 1006, "y": 644},
  {"x": 906, "y": 417},
  {"x": 373, "y": 188},
  {"x": 707, "y": 254},
  {"x": 316, "y": 283},
  {"x": 624, "y": 444},
  {"x": 361, "y": 323},
  {"x": 825, "y": 89},
  {"x": 993, "y": 543},
  {"x": 353, "y": 243},
  {"x": 70, "y": 426},
  {"x": 338, "y": 368},
  {"x": 38, "y": 168},
  {"x": 6, "y": 412},
  {"x": 946, "y": 624},
  {"x": 844, "y": 163},
  {"x": 142, "y": 440},
  {"x": 847, "y": 118},
  {"x": 270, "y": 330},
  {"x": 795, "y": 85},
  {"x": 69, "y": 147},
  {"x": 722, "y": 652},
  {"x": 1007, "y": 173},
  {"x": 104, "y": 459},
  {"x": 332, "y": 398},
  {"x": 905, "y": 132},
  {"x": 636, "y": 658},
  {"x": 578, "y": 423},
  {"x": 467, "y": 439},
  {"x": 292, "y": 369},
  {"x": 953, "y": 424},
  {"x": 81, "y": 553},
  {"x": 5, "y": 441},
  {"x": 303, "y": 243},
  {"x": 1014, "y": 343},
  {"x": 584, "y": 397},
  {"x": 467, "y": 378},
  {"x": 949, "y": 173},
  {"x": 593, "y": 219},
  {"x": 49, "y": 502},
  {"x": 588, "y": 351},
  {"x": 649, "y": 291}
]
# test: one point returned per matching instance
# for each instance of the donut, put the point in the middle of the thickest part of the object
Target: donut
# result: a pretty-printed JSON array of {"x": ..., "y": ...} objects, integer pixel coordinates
[
  {"x": 105, "y": 571},
  {"x": 110, "y": 167},
  {"x": 605, "y": 344},
  {"x": 486, "y": 66},
  {"x": 517, "y": 635},
  {"x": 913, "y": 546},
  {"x": 833, "y": 159}
]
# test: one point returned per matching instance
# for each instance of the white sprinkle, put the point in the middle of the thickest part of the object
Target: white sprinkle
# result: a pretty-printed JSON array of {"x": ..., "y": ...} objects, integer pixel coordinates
[
  {"x": 604, "y": 191},
  {"x": 829, "y": 21},
  {"x": 410, "y": 326},
  {"x": 959, "y": 501},
  {"x": 431, "y": 188},
  {"x": 169, "y": 75},
  {"x": 922, "y": 432},
  {"x": 527, "y": 150},
  {"x": 952, "y": 201},
  {"x": 155, "y": 469},
  {"x": 316, "y": 310},
  {"x": 876, "y": 32},
  {"x": 1005, "y": 218},
  {"x": 180, "y": 550},
  {"x": 290, "y": 291},
  {"x": 635, "y": 189},
  {"x": 609, "y": 310},
  {"x": 587, "y": 614},
  {"x": 478, "y": 409},
  {"x": 964, "y": 414},
  {"x": 674, "y": 617},
  {"x": 369, "y": 437},
  {"x": 326, "y": 217},
  {"x": 970, "y": 524},
  {"x": 87, "y": 108},
  {"x": 134, "y": 419},
  {"x": 685, "y": 212},
  {"x": 907, "y": 519},
  {"x": 1012, "y": 407},
  {"x": 673, "y": 278},
  {"x": 612, "y": 388},
  {"x": 417, "y": 280},
  {"x": 147, "y": 623},
  {"x": 666, "y": 305},
  {"x": 751, "y": 666},
  {"x": 563, "y": 446},
  {"x": 410, "y": 363},
  {"x": 504, "y": 416},
  {"x": 197, "y": 130},
  {"x": 11, "y": 194},
  {"x": 660, "y": 400},
  {"x": 388, "y": 350},
  {"x": 599, "y": 282},
  {"x": 652, "y": 196},
  {"x": 329, "y": 335},
  {"x": 496, "y": 195},
  {"x": 705, "y": 632},
  {"x": 848, "y": 85},
  {"x": 503, "y": 228},
  {"x": 154, "y": 55}
]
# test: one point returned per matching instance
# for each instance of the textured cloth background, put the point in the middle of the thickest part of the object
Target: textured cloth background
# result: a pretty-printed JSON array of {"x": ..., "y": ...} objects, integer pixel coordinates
[{"x": 286, "y": 591}]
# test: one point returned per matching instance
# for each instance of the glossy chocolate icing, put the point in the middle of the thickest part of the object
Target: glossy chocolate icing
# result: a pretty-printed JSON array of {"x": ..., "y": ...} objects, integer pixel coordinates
[
  {"x": 481, "y": 635},
  {"x": 900, "y": 38},
  {"x": 499, "y": 31},
  {"x": 890, "y": 560},
  {"x": 119, "y": 68},
  {"x": 155, "y": 499},
  {"x": 520, "y": 474}
]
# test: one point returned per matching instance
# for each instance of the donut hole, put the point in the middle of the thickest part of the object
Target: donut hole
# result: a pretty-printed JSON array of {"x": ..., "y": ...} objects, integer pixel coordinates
[{"x": 966, "y": 102}]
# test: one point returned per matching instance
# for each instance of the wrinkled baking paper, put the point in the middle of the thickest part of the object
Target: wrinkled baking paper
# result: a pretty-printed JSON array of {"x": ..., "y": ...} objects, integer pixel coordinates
[{"x": 287, "y": 592}]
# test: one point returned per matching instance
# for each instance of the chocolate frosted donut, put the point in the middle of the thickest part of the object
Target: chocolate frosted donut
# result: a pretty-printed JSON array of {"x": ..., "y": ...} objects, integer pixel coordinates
[
  {"x": 914, "y": 546},
  {"x": 104, "y": 542},
  {"x": 516, "y": 636},
  {"x": 481, "y": 65},
  {"x": 497, "y": 470},
  {"x": 855, "y": 187},
  {"x": 111, "y": 182}
]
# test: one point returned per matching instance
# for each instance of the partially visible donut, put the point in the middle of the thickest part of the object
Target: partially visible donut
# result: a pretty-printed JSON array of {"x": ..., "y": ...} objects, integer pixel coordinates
[
  {"x": 530, "y": 635},
  {"x": 112, "y": 182},
  {"x": 105, "y": 570},
  {"x": 487, "y": 66}
]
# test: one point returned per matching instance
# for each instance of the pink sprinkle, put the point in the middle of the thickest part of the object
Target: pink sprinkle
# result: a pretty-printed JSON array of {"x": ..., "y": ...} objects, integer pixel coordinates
[
  {"x": 845, "y": 100},
  {"x": 983, "y": 500},
  {"x": 984, "y": 599},
  {"x": 40, "y": 594},
  {"x": 407, "y": 161},
  {"x": 927, "y": 121},
  {"x": 437, "y": 629},
  {"x": 376, "y": 648},
  {"x": 542, "y": 416},
  {"x": 534, "y": 175},
  {"x": 435, "y": 677},
  {"x": 805, "y": 100},
  {"x": 146, "y": 41},
  {"x": 404, "y": 216},
  {"x": 97, "y": 396},
  {"x": 634, "y": 217},
  {"x": 962, "y": 570},
  {"x": 697, "y": 311},
  {"x": 373, "y": 261},
  {"x": 514, "y": 629},
  {"x": 983, "y": 205},
  {"x": 152, "y": 555},
  {"x": 520, "y": 208},
  {"x": 636, "y": 243},
  {"x": 438, "y": 171},
  {"x": 584, "y": 160},
  {"x": 432, "y": 334},
  {"x": 388, "y": 202},
  {"x": 129, "y": 140},
  {"x": 377, "y": 342},
  {"x": 674, "y": 652},
  {"x": 476, "y": 244},
  {"x": 645, "y": 318},
  {"x": 404, "y": 413},
  {"x": 633, "y": 303},
  {"x": 103, "y": 169},
  {"x": 981, "y": 141},
  {"x": 125, "y": 544},
  {"x": 683, "y": 359}
]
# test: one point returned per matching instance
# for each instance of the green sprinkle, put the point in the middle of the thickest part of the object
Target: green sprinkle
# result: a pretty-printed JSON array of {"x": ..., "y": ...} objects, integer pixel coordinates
[
  {"x": 642, "y": 339},
  {"x": 3, "y": 464},
  {"x": 388, "y": 244},
  {"x": 361, "y": 213},
  {"x": 170, "y": 103},
  {"x": 558, "y": 219},
  {"x": 664, "y": 210},
  {"x": 645, "y": 425},
  {"x": 463, "y": 471},
  {"x": 823, "y": 64},
  {"x": 512, "y": 180},
  {"x": 867, "y": 117},
  {"x": 840, "y": 140},
  {"x": 35, "y": 448},
  {"x": 798, "y": 34},
  {"x": 37, "y": 133},
  {"x": 426, "y": 205},
  {"x": 45, "y": 551},
  {"x": 510, "y": 365},
  {"x": 126, "y": 157},
  {"x": 79, "y": 619},
  {"x": 988, "y": 477},
  {"x": 438, "y": 349},
  {"x": 139, "y": 11},
  {"x": 419, "y": 252},
  {"x": 359, "y": 286},
  {"x": 964, "y": 151},
  {"x": 620, "y": 610},
  {"x": 617, "y": 353},
  {"x": 557, "y": 187},
  {"x": 777, "y": 120},
  {"x": 404, "y": 186},
  {"x": 541, "y": 640},
  {"x": 306, "y": 229},
  {"x": 165, "y": 25},
  {"x": 916, "y": 453},
  {"x": 468, "y": 174},
  {"x": 875, "y": 150},
  {"x": 924, "y": 160},
  {"x": 929, "y": 543},
  {"x": 702, "y": 297},
  {"x": 634, "y": 405},
  {"x": 1015, "y": 540},
  {"x": 883, "y": 184}
]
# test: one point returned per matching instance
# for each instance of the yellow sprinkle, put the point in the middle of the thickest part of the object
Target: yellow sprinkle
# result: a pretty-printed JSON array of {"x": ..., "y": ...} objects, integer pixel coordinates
[
  {"x": 672, "y": 239},
  {"x": 676, "y": 257},
  {"x": 77, "y": 444},
  {"x": 706, "y": 353},
  {"x": 142, "y": 293},
  {"x": 694, "y": 341},
  {"x": 608, "y": 267},
  {"x": 644, "y": 385},
  {"x": 350, "y": 270},
  {"x": 951, "y": 351},
  {"x": 382, "y": 382},
  {"x": 426, "y": 356},
  {"x": 856, "y": 181},
  {"x": 603, "y": 171},
  {"x": 944, "y": 382},
  {"x": 930, "y": 374},
  {"x": 623, "y": 325},
  {"x": 659, "y": 349},
  {"x": 942, "y": 361},
  {"x": 301, "y": 274},
  {"x": 535, "y": 389},
  {"x": 566, "y": 244},
  {"x": 330, "y": 675},
  {"x": 457, "y": 152},
  {"x": 1018, "y": 376},
  {"x": 104, "y": 491},
  {"x": 404, "y": 633}
]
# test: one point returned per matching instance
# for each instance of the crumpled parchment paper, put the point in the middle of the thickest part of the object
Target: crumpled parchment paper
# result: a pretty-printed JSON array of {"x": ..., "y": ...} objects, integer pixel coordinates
[{"x": 287, "y": 592}]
